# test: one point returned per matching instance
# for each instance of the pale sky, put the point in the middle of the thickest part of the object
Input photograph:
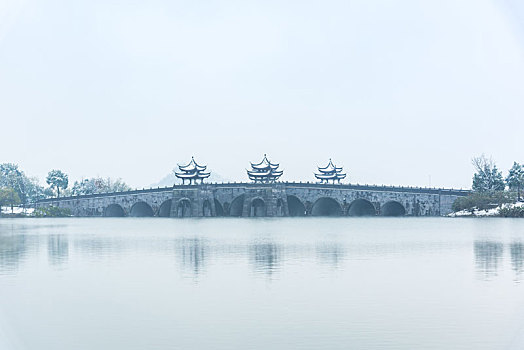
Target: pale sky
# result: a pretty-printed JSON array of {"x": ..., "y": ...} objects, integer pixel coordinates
[{"x": 394, "y": 91}]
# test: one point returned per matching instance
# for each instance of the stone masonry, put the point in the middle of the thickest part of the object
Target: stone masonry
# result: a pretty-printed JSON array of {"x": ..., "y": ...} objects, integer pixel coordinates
[{"x": 271, "y": 200}]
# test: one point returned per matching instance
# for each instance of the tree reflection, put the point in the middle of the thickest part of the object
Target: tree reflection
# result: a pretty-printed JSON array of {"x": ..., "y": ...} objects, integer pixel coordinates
[
  {"x": 488, "y": 256},
  {"x": 192, "y": 254},
  {"x": 57, "y": 249},
  {"x": 13, "y": 249},
  {"x": 265, "y": 257},
  {"x": 517, "y": 258}
]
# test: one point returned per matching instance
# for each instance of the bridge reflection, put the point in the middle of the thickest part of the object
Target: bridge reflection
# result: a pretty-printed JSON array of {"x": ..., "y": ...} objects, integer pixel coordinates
[
  {"x": 331, "y": 253},
  {"x": 265, "y": 257},
  {"x": 57, "y": 249},
  {"x": 192, "y": 253}
]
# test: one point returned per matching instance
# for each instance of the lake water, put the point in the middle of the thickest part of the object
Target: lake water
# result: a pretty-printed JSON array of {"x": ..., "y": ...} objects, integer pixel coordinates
[{"x": 304, "y": 283}]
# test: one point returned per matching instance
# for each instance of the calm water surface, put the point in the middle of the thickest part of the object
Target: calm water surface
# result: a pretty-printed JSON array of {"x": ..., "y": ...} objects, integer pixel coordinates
[{"x": 308, "y": 283}]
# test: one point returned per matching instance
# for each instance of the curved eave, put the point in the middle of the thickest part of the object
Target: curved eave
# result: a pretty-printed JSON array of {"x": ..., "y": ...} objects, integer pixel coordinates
[
  {"x": 330, "y": 164},
  {"x": 264, "y": 163},
  {"x": 264, "y": 177},
  {"x": 327, "y": 171},
  {"x": 258, "y": 173},
  {"x": 330, "y": 177},
  {"x": 260, "y": 167},
  {"x": 192, "y": 165},
  {"x": 325, "y": 177},
  {"x": 330, "y": 167},
  {"x": 266, "y": 174},
  {"x": 192, "y": 176},
  {"x": 188, "y": 166},
  {"x": 258, "y": 164}
]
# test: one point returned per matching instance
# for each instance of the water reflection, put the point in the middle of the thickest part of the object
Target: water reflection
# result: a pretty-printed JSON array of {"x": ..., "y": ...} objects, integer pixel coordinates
[
  {"x": 517, "y": 258},
  {"x": 101, "y": 247},
  {"x": 266, "y": 257},
  {"x": 331, "y": 253},
  {"x": 193, "y": 253},
  {"x": 13, "y": 250},
  {"x": 488, "y": 257},
  {"x": 57, "y": 249}
]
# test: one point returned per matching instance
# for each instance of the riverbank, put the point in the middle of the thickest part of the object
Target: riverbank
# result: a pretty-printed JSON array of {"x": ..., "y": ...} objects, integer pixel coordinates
[
  {"x": 15, "y": 212},
  {"x": 503, "y": 210}
]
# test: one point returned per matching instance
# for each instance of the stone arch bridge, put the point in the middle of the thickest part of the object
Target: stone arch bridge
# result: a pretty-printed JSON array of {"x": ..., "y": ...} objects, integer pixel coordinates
[{"x": 265, "y": 200}]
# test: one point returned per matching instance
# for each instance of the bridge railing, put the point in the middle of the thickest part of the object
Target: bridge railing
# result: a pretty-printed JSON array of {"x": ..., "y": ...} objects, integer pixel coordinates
[
  {"x": 388, "y": 188},
  {"x": 308, "y": 184},
  {"x": 108, "y": 194}
]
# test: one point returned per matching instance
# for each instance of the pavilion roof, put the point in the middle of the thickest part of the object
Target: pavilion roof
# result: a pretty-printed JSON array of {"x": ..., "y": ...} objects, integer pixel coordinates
[
  {"x": 330, "y": 172},
  {"x": 192, "y": 165},
  {"x": 264, "y": 164}
]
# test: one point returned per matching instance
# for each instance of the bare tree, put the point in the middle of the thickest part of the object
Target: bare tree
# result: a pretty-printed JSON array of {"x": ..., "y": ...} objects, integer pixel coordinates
[{"x": 487, "y": 177}]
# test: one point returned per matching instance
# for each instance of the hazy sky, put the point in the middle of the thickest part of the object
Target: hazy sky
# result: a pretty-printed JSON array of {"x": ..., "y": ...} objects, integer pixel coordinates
[{"x": 392, "y": 90}]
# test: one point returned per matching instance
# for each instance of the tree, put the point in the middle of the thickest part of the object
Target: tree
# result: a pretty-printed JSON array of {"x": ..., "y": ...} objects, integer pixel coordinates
[
  {"x": 9, "y": 197},
  {"x": 34, "y": 191},
  {"x": 27, "y": 188},
  {"x": 57, "y": 179},
  {"x": 117, "y": 185},
  {"x": 98, "y": 185},
  {"x": 487, "y": 177},
  {"x": 14, "y": 178},
  {"x": 515, "y": 178}
]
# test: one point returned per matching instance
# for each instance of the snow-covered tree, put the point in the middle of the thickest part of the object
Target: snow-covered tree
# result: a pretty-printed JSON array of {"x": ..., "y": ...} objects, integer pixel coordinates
[
  {"x": 12, "y": 177},
  {"x": 27, "y": 188},
  {"x": 58, "y": 180},
  {"x": 98, "y": 185},
  {"x": 9, "y": 197},
  {"x": 515, "y": 178},
  {"x": 487, "y": 177}
]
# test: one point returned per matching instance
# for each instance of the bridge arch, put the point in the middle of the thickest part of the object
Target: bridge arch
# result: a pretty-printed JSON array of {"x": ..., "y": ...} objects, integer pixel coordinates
[
  {"x": 237, "y": 206},
  {"x": 295, "y": 206},
  {"x": 141, "y": 209},
  {"x": 361, "y": 207},
  {"x": 183, "y": 208},
  {"x": 219, "y": 210},
  {"x": 206, "y": 208},
  {"x": 165, "y": 209},
  {"x": 257, "y": 207},
  {"x": 326, "y": 206},
  {"x": 114, "y": 210},
  {"x": 392, "y": 208}
]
